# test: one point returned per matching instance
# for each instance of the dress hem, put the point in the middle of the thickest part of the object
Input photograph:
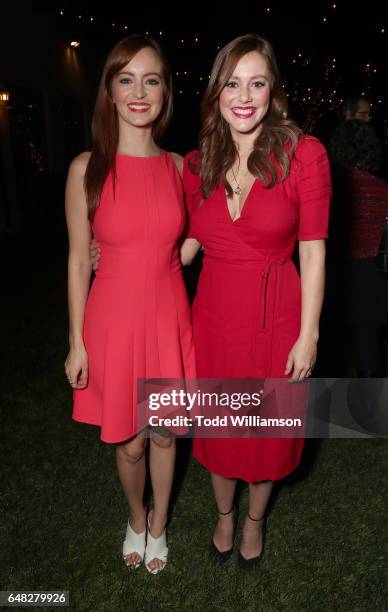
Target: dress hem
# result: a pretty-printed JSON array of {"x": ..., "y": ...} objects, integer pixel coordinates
[
  {"x": 279, "y": 474},
  {"x": 79, "y": 419}
]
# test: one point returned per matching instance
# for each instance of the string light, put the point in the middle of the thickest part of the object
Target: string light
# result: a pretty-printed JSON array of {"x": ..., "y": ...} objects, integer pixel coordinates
[
  {"x": 36, "y": 157},
  {"x": 314, "y": 101}
]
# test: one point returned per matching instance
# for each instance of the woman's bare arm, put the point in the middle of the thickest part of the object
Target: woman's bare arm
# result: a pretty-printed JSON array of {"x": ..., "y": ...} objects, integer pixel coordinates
[
  {"x": 79, "y": 267},
  {"x": 303, "y": 354}
]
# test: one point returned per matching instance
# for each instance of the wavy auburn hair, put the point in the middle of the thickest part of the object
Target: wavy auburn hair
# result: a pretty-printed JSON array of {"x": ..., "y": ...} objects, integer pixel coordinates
[
  {"x": 217, "y": 151},
  {"x": 105, "y": 126}
]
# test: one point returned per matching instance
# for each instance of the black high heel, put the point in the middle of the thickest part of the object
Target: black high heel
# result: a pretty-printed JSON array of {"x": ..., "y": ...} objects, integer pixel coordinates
[
  {"x": 253, "y": 561},
  {"x": 217, "y": 554}
]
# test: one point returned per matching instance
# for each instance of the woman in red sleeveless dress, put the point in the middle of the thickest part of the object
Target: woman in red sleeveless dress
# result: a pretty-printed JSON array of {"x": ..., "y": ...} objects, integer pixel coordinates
[
  {"x": 254, "y": 188},
  {"x": 136, "y": 321}
]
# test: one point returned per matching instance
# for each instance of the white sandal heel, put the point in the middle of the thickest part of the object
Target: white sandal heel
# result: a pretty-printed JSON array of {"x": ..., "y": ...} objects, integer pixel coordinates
[
  {"x": 156, "y": 549},
  {"x": 134, "y": 543}
]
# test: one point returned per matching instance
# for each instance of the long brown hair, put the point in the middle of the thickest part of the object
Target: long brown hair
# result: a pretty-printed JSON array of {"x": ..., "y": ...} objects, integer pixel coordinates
[
  {"x": 217, "y": 151},
  {"x": 105, "y": 127}
]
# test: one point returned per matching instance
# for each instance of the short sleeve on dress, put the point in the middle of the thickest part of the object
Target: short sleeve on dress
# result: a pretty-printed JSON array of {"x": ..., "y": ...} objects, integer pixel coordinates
[
  {"x": 191, "y": 185},
  {"x": 314, "y": 189}
]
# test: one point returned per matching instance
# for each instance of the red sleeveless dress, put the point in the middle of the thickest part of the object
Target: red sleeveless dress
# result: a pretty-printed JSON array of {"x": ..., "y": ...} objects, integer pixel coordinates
[{"x": 137, "y": 320}]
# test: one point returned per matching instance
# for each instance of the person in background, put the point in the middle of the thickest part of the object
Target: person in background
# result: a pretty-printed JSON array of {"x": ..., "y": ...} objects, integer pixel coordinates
[
  {"x": 361, "y": 203},
  {"x": 356, "y": 107}
]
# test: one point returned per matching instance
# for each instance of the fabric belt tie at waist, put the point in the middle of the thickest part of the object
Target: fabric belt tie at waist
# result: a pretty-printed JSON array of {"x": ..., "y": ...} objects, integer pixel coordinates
[{"x": 271, "y": 264}]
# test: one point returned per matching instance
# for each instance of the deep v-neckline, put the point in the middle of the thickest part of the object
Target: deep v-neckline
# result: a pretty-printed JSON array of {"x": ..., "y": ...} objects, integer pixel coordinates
[{"x": 243, "y": 206}]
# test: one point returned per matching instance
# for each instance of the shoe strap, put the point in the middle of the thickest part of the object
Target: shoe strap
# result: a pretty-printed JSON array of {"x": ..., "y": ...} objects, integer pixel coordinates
[
  {"x": 156, "y": 548},
  {"x": 134, "y": 542}
]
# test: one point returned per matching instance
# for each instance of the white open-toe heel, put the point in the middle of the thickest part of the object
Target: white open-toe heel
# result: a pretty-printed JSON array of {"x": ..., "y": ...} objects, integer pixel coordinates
[
  {"x": 134, "y": 543},
  {"x": 156, "y": 549}
]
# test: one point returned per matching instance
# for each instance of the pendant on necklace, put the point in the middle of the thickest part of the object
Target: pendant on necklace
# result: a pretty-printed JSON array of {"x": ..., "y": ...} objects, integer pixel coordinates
[{"x": 237, "y": 191}]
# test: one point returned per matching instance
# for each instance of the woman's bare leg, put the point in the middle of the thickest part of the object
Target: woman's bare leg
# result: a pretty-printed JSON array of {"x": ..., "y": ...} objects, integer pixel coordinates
[
  {"x": 130, "y": 461},
  {"x": 224, "y": 491},
  {"x": 252, "y": 535},
  {"x": 162, "y": 465}
]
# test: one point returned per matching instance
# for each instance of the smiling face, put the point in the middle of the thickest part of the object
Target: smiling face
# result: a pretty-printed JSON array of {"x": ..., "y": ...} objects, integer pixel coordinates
[
  {"x": 245, "y": 99},
  {"x": 137, "y": 90}
]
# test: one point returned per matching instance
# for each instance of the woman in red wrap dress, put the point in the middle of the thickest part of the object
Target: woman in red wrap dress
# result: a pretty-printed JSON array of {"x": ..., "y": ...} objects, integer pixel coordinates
[{"x": 254, "y": 188}]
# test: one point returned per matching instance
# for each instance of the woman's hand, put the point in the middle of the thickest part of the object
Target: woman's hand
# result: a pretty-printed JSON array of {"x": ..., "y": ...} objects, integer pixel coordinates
[
  {"x": 95, "y": 254},
  {"x": 76, "y": 367},
  {"x": 301, "y": 358},
  {"x": 189, "y": 249}
]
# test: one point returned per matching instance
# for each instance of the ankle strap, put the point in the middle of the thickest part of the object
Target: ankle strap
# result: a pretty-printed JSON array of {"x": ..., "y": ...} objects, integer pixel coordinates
[{"x": 253, "y": 519}]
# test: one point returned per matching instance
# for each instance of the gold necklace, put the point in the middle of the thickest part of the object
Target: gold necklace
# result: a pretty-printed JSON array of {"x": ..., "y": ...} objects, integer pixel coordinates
[{"x": 237, "y": 190}]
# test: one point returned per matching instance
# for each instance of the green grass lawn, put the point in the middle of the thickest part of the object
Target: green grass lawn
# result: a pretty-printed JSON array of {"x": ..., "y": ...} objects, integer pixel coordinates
[{"x": 63, "y": 513}]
